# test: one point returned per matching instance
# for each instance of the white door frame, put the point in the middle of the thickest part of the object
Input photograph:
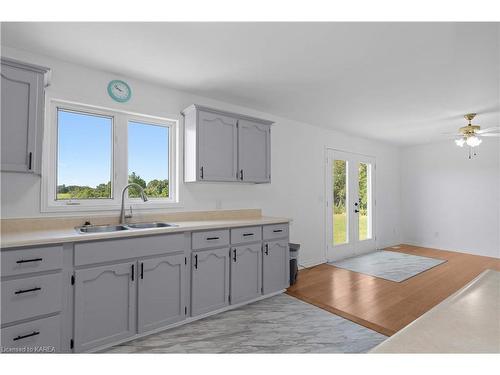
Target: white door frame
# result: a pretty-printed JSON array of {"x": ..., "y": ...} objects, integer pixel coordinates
[{"x": 354, "y": 246}]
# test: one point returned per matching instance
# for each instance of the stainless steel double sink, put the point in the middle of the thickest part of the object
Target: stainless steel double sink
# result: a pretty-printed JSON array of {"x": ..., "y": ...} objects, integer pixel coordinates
[{"x": 116, "y": 228}]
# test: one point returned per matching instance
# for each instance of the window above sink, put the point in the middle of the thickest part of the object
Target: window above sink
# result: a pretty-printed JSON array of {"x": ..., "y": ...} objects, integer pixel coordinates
[{"x": 91, "y": 153}]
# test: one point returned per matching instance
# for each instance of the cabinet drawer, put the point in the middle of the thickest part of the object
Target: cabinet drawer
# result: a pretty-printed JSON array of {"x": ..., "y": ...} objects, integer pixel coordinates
[
  {"x": 18, "y": 262},
  {"x": 39, "y": 336},
  {"x": 126, "y": 248},
  {"x": 246, "y": 235},
  {"x": 210, "y": 238},
  {"x": 271, "y": 232},
  {"x": 30, "y": 297}
]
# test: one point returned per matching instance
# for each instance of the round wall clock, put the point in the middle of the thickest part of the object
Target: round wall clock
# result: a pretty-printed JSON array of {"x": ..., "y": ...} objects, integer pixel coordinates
[{"x": 119, "y": 90}]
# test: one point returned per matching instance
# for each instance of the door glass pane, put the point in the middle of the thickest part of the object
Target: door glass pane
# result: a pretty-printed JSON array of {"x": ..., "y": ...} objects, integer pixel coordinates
[
  {"x": 364, "y": 217},
  {"x": 148, "y": 159},
  {"x": 340, "y": 227},
  {"x": 83, "y": 155}
]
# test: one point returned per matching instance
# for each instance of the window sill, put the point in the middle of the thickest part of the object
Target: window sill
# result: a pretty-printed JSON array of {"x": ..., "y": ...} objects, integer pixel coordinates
[{"x": 136, "y": 206}]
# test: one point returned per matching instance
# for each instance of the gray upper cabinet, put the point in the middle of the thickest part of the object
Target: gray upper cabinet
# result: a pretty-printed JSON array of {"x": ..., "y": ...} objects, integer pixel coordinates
[
  {"x": 161, "y": 292},
  {"x": 246, "y": 272},
  {"x": 218, "y": 141},
  {"x": 224, "y": 146},
  {"x": 209, "y": 280},
  {"x": 254, "y": 147},
  {"x": 22, "y": 115},
  {"x": 275, "y": 266},
  {"x": 105, "y": 305}
]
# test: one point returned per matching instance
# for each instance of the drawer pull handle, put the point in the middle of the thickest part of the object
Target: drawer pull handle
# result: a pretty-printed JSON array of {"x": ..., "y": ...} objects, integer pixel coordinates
[
  {"x": 212, "y": 238},
  {"x": 278, "y": 230},
  {"x": 248, "y": 234},
  {"x": 29, "y": 260},
  {"x": 34, "y": 333},
  {"x": 27, "y": 290}
]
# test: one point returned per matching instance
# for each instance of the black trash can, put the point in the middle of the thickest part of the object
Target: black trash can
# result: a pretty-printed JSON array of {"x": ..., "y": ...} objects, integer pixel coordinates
[{"x": 294, "y": 267}]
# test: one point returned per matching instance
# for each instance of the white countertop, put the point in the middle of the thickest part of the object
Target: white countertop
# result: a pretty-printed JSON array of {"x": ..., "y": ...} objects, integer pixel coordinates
[
  {"x": 466, "y": 322},
  {"x": 41, "y": 237}
]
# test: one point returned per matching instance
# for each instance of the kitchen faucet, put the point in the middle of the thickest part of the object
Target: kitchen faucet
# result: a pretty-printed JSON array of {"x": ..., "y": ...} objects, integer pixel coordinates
[{"x": 144, "y": 198}]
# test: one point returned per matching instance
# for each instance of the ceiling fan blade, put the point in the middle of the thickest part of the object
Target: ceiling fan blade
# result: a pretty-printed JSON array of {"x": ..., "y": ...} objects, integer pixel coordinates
[
  {"x": 487, "y": 130},
  {"x": 489, "y": 135}
]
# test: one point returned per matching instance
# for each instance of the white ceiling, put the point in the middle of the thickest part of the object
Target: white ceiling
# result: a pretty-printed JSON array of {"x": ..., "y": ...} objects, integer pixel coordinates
[{"x": 403, "y": 83}]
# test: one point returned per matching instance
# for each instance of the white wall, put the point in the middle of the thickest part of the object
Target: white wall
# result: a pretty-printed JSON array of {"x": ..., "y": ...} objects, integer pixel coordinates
[
  {"x": 297, "y": 188},
  {"x": 450, "y": 202}
]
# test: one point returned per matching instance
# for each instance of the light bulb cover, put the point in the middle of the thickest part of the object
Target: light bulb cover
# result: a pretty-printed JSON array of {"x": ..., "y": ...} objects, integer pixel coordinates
[
  {"x": 460, "y": 142},
  {"x": 473, "y": 141}
]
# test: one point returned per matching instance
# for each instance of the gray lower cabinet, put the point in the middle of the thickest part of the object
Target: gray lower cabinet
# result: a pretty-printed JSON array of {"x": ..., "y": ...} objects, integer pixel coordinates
[
  {"x": 37, "y": 336},
  {"x": 246, "y": 272},
  {"x": 161, "y": 294},
  {"x": 275, "y": 266},
  {"x": 22, "y": 116},
  {"x": 209, "y": 280},
  {"x": 105, "y": 305}
]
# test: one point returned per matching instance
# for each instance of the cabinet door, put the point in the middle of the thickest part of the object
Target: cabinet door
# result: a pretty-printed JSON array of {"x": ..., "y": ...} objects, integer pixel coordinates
[
  {"x": 217, "y": 144},
  {"x": 246, "y": 272},
  {"x": 210, "y": 280},
  {"x": 22, "y": 101},
  {"x": 105, "y": 302},
  {"x": 161, "y": 291},
  {"x": 276, "y": 266},
  {"x": 254, "y": 148}
]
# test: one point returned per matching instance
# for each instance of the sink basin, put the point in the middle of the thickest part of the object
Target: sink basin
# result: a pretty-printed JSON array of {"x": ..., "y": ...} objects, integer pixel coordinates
[
  {"x": 100, "y": 228},
  {"x": 149, "y": 225}
]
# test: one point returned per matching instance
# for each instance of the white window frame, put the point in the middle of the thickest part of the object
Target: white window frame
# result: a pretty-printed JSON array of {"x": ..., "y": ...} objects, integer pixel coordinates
[{"x": 119, "y": 163}]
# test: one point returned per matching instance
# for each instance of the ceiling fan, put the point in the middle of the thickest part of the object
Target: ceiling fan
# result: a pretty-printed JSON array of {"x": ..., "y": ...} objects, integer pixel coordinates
[{"x": 471, "y": 135}]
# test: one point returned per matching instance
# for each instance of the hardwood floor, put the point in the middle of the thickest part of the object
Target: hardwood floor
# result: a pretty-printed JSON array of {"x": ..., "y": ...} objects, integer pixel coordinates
[{"x": 387, "y": 306}]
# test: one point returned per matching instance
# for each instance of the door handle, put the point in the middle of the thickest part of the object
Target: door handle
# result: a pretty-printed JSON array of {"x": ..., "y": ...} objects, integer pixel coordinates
[
  {"x": 29, "y": 260},
  {"x": 234, "y": 255},
  {"x": 27, "y": 290},
  {"x": 241, "y": 174},
  {"x": 142, "y": 270},
  {"x": 201, "y": 173},
  {"x": 267, "y": 249},
  {"x": 132, "y": 273},
  {"x": 356, "y": 211},
  {"x": 196, "y": 261},
  {"x": 34, "y": 333}
]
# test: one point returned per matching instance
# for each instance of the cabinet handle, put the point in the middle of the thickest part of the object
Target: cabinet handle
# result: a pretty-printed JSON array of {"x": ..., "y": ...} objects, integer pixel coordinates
[
  {"x": 30, "y": 156},
  {"x": 34, "y": 333},
  {"x": 234, "y": 255},
  {"x": 132, "y": 273},
  {"x": 196, "y": 261},
  {"x": 212, "y": 238},
  {"x": 142, "y": 270},
  {"x": 201, "y": 172},
  {"x": 277, "y": 230},
  {"x": 27, "y": 290},
  {"x": 29, "y": 260},
  {"x": 248, "y": 234},
  {"x": 267, "y": 249},
  {"x": 241, "y": 174}
]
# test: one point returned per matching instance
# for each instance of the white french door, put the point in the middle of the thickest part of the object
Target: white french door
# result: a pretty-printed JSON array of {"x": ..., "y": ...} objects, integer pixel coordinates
[{"x": 350, "y": 204}]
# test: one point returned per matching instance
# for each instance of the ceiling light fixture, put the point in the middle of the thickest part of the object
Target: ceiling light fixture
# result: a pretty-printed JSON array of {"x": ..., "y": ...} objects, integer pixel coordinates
[{"x": 471, "y": 135}]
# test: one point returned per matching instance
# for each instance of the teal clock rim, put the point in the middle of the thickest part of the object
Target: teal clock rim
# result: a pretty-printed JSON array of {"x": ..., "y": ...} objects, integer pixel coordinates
[{"x": 110, "y": 93}]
